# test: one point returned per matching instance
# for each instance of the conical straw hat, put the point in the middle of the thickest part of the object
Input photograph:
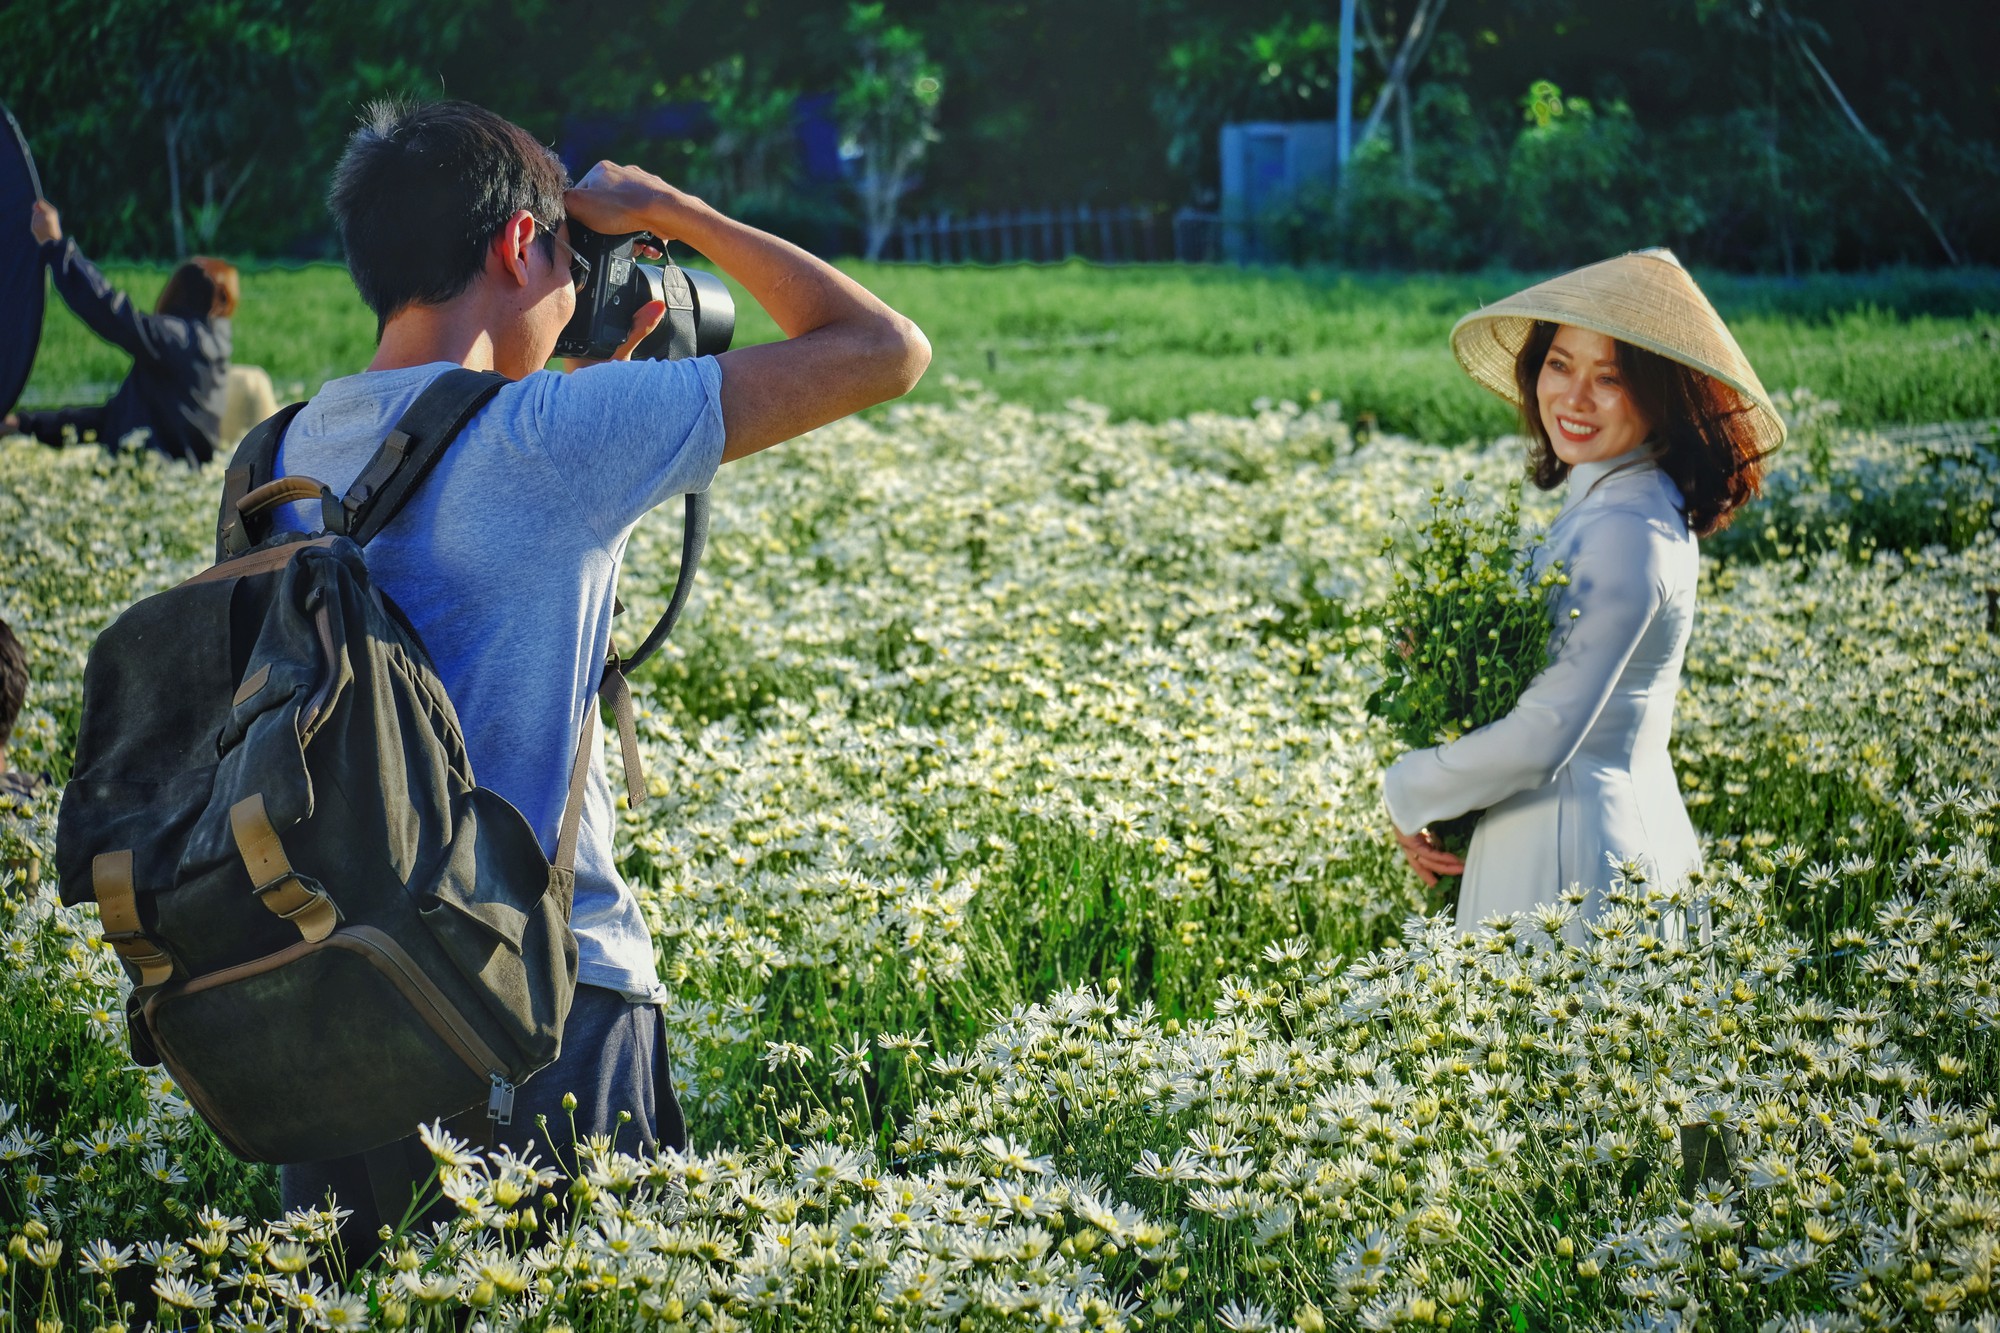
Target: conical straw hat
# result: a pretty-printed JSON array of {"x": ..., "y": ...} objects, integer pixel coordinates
[{"x": 1644, "y": 298}]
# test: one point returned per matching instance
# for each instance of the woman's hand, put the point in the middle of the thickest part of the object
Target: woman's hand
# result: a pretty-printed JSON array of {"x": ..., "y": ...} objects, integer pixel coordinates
[
  {"x": 1428, "y": 859},
  {"x": 45, "y": 222}
]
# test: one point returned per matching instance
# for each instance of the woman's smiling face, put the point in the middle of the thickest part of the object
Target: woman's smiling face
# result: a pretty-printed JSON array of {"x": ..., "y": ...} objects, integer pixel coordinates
[{"x": 1582, "y": 397}]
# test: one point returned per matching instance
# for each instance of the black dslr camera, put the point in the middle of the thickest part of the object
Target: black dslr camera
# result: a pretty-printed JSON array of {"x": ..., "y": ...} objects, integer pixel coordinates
[{"x": 700, "y": 319}]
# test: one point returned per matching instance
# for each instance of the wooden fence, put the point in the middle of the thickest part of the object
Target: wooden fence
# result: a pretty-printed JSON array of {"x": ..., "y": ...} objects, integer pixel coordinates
[{"x": 1124, "y": 235}]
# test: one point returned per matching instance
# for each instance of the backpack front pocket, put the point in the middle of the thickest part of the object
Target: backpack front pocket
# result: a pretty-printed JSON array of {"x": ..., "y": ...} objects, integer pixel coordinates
[
  {"x": 502, "y": 916},
  {"x": 283, "y": 1079}
]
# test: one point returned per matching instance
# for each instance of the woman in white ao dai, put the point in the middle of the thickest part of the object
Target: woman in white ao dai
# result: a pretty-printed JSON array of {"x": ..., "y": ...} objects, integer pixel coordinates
[
  {"x": 1579, "y": 770},
  {"x": 1654, "y": 449}
]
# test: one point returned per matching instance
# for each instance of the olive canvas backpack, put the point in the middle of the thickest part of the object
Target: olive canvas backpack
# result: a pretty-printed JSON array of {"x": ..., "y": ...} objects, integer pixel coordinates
[{"x": 333, "y": 932}]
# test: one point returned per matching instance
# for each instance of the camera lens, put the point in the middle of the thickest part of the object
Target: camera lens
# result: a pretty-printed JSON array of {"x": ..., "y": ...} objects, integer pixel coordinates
[
  {"x": 714, "y": 313},
  {"x": 701, "y": 315}
]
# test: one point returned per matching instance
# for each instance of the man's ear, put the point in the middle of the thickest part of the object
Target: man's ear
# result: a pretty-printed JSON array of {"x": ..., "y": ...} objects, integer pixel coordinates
[{"x": 510, "y": 246}]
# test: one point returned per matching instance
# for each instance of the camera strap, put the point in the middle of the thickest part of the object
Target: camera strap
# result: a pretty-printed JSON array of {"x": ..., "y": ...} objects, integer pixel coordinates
[{"x": 616, "y": 688}]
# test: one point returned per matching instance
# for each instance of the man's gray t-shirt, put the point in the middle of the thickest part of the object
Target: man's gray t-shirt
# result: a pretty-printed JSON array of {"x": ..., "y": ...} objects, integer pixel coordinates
[{"x": 505, "y": 561}]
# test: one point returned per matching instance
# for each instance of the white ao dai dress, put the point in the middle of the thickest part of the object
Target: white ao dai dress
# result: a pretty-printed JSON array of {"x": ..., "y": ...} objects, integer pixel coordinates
[{"x": 1578, "y": 773}]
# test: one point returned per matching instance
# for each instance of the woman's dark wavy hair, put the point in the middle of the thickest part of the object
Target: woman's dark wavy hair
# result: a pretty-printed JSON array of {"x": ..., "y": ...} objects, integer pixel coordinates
[
  {"x": 1710, "y": 441},
  {"x": 420, "y": 192},
  {"x": 202, "y": 288}
]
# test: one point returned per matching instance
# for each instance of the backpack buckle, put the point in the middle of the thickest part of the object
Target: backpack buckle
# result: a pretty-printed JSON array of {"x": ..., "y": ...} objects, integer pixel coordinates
[
  {"x": 300, "y": 900},
  {"x": 156, "y": 966},
  {"x": 332, "y": 513},
  {"x": 297, "y": 898},
  {"x": 118, "y": 914}
]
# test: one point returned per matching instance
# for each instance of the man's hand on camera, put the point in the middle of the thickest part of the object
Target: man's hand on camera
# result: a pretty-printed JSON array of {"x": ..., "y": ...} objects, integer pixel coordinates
[
  {"x": 45, "y": 222},
  {"x": 644, "y": 320},
  {"x": 615, "y": 199}
]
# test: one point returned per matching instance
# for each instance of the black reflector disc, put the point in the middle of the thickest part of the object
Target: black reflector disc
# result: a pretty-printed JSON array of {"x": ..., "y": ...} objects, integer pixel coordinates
[{"x": 20, "y": 264}]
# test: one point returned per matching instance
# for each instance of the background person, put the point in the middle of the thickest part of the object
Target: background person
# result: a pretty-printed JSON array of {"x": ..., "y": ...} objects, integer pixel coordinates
[
  {"x": 1633, "y": 391},
  {"x": 177, "y": 387},
  {"x": 454, "y": 224}
]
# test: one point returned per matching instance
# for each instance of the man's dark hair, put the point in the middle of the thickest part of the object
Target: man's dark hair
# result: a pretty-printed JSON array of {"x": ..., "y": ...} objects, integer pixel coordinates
[
  {"x": 420, "y": 192},
  {"x": 13, "y": 682}
]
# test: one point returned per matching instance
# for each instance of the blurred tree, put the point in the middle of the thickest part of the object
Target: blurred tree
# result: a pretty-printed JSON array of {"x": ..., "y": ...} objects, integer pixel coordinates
[
  {"x": 888, "y": 115},
  {"x": 1577, "y": 184},
  {"x": 164, "y": 124},
  {"x": 1051, "y": 102},
  {"x": 751, "y": 156},
  {"x": 154, "y": 119},
  {"x": 1397, "y": 71},
  {"x": 1286, "y": 71},
  {"x": 191, "y": 72}
]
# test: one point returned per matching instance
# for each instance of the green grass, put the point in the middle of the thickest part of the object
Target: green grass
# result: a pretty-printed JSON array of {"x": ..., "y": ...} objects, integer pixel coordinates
[
  {"x": 1154, "y": 343},
  {"x": 305, "y": 325}
]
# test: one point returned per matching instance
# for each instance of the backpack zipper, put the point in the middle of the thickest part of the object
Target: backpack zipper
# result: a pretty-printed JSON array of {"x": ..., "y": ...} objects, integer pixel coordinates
[{"x": 500, "y": 1102}]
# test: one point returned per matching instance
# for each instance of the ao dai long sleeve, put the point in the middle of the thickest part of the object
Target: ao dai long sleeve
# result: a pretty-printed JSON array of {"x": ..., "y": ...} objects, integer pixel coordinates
[{"x": 1578, "y": 774}]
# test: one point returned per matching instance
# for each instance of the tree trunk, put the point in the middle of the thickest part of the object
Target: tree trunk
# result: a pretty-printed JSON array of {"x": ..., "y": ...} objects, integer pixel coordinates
[
  {"x": 1881, "y": 152},
  {"x": 1344, "y": 117},
  {"x": 1405, "y": 98},
  {"x": 1406, "y": 138},
  {"x": 172, "y": 129},
  {"x": 209, "y": 220},
  {"x": 1414, "y": 42},
  {"x": 1778, "y": 200},
  {"x": 878, "y": 206}
]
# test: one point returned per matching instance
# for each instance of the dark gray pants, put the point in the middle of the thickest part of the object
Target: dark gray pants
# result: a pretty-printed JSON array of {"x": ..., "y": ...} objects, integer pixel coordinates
[
  {"x": 47, "y": 426},
  {"x": 613, "y": 1058}
]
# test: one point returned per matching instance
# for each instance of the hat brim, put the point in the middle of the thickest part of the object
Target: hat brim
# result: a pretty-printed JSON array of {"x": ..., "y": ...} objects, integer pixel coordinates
[{"x": 1646, "y": 299}]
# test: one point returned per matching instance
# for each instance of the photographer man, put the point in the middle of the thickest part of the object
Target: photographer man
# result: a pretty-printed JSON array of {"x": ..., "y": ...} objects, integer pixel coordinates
[
  {"x": 454, "y": 224},
  {"x": 178, "y": 385}
]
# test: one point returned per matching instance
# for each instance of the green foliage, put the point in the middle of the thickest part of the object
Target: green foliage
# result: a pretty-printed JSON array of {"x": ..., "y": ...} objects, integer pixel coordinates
[
  {"x": 1576, "y": 182},
  {"x": 1746, "y": 161},
  {"x": 1159, "y": 342},
  {"x": 749, "y": 160},
  {"x": 1465, "y": 625},
  {"x": 1901, "y": 491},
  {"x": 1445, "y": 214},
  {"x": 1717, "y": 139},
  {"x": 1284, "y": 71},
  {"x": 243, "y": 102}
]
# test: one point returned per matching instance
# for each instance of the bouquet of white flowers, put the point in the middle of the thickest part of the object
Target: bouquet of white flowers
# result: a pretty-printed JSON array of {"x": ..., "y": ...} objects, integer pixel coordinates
[{"x": 1465, "y": 627}]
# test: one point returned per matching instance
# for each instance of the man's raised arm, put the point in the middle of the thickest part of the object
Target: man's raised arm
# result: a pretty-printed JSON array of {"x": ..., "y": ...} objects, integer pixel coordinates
[{"x": 844, "y": 349}]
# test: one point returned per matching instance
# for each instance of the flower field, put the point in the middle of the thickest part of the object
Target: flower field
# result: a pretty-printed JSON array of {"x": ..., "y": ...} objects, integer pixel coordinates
[{"x": 1040, "y": 956}]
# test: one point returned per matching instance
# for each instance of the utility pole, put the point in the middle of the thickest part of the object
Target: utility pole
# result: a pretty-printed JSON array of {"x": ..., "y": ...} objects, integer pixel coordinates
[{"x": 1344, "y": 136}]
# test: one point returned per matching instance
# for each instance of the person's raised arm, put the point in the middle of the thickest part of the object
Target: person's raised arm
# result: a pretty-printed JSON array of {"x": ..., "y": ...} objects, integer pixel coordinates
[
  {"x": 106, "y": 310},
  {"x": 844, "y": 349}
]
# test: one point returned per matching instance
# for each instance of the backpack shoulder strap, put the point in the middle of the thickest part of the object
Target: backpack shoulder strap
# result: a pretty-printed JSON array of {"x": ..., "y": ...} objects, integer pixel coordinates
[
  {"x": 412, "y": 450},
  {"x": 250, "y": 467}
]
